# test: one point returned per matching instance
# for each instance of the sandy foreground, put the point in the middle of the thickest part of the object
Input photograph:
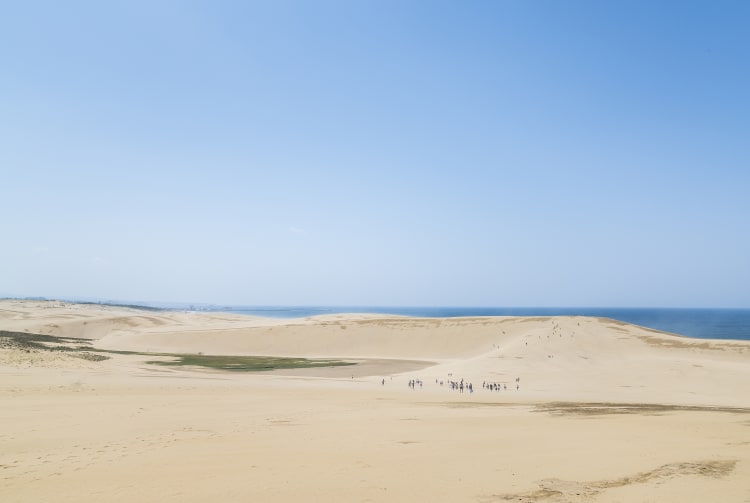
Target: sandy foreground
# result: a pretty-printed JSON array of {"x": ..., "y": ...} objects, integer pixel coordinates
[{"x": 604, "y": 411}]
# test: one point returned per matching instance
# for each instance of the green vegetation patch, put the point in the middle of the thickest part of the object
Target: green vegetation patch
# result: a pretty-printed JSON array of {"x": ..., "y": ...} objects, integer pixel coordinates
[
  {"x": 82, "y": 348},
  {"x": 248, "y": 363},
  {"x": 32, "y": 343},
  {"x": 39, "y": 341}
]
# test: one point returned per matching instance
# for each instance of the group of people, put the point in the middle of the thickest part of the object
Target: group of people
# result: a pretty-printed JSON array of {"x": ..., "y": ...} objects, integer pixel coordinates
[
  {"x": 461, "y": 385},
  {"x": 494, "y": 386}
]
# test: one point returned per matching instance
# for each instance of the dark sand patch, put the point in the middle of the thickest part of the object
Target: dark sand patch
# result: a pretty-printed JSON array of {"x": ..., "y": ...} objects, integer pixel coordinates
[
  {"x": 606, "y": 408},
  {"x": 556, "y": 490}
]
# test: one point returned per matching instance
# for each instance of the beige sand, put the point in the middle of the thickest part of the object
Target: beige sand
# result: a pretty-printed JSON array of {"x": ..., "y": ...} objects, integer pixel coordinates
[{"x": 605, "y": 411}]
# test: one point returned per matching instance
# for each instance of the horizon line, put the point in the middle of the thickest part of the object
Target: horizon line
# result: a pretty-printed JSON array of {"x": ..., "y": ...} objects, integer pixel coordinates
[{"x": 186, "y": 304}]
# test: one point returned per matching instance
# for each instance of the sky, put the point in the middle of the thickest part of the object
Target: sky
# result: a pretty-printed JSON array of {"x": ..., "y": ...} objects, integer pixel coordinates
[{"x": 382, "y": 153}]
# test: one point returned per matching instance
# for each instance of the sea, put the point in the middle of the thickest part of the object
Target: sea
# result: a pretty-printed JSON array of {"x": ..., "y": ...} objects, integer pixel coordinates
[{"x": 702, "y": 323}]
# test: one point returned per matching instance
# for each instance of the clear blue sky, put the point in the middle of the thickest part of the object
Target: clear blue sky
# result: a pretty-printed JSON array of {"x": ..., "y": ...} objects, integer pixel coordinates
[{"x": 377, "y": 153}]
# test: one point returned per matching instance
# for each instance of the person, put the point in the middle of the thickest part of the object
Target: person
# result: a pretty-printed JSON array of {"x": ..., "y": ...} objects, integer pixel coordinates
[{"x": 382, "y": 383}]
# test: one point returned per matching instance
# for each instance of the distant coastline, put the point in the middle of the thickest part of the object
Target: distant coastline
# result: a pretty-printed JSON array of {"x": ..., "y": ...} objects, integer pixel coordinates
[{"x": 704, "y": 323}]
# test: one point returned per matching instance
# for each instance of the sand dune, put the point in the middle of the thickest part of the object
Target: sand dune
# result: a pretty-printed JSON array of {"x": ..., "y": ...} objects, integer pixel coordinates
[{"x": 604, "y": 411}]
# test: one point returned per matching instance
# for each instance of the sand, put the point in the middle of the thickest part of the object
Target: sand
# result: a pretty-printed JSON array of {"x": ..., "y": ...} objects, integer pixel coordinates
[{"x": 604, "y": 411}]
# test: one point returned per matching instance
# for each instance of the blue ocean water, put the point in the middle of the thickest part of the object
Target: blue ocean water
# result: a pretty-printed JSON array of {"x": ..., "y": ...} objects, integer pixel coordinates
[{"x": 701, "y": 323}]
